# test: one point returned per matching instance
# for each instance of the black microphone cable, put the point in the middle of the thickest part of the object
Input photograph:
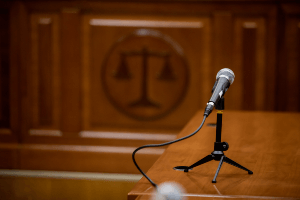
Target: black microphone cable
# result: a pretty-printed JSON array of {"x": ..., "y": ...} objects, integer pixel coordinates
[{"x": 160, "y": 145}]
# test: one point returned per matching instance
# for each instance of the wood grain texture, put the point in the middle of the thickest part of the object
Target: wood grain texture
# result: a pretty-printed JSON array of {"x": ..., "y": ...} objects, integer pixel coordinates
[
  {"x": 288, "y": 68},
  {"x": 70, "y": 72},
  {"x": 9, "y": 157},
  {"x": 88, "y": 33},
  {"x": 250, "y": 63},
  {"x": 45, "y": 74},
  {"x": 7, "y": 103},
  {"x": 4, "y": 70},
  {"x": 222, "y": 51},
  {"x": 249, "y": 58},
  {"x": 57, "y": 50},
  {"x": 272, "y": 26},
  {"x": 84, "y": 158},
  {"x": 44, "y": 88},
  {"x": 19, "y": 56},
  {"x": 266, "y": 143},
  {"x": 104, "y": 38}
]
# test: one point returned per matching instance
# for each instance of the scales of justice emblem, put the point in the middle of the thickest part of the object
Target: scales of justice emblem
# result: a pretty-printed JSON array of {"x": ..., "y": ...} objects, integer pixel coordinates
[{"x": 145, "y": 75}]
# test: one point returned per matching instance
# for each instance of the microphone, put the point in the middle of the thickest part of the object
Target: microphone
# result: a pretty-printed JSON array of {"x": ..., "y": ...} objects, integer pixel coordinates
[{"x": 225, "y": 78}]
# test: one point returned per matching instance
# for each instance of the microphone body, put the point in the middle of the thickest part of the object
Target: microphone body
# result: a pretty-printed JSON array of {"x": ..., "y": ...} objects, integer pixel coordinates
[{"x": 225, "y": 78}]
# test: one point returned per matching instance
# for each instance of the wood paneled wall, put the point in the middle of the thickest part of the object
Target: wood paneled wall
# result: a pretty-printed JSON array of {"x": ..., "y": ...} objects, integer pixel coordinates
[{"x": 77, "y": 76}]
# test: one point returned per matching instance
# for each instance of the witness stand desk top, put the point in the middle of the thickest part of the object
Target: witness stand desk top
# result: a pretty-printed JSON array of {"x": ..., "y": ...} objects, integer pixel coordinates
[{"x": 267, "y": 143}]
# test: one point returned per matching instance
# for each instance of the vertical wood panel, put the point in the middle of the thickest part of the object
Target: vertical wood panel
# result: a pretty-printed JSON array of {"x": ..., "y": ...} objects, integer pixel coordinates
[
  {"x": 45, "y": 74},
  {"x": 264, "y": 96},
  {"x": 85, "y": 73},
  {"x": 281, "y": 73},
  {"x": 271, "y": 61},
  {"x": 237, "y": 87},
  {"x": 44, "y": 82},
  {"x": 288, "y": 70},
  {"x": 8, "y": 87},
  {"x": 292, "y": 46},
  {"x": 70, "y": 69},
  {"x": 19, "y": 57},
  {"x": 222, "y": 40},
  {"x": 249, "y": 66},
  {"x": 288, "y": 84},
  {"x": 206, "y": 73},
  {"x": 223, "y": 49},
  {"x": 4, "y": 70}
]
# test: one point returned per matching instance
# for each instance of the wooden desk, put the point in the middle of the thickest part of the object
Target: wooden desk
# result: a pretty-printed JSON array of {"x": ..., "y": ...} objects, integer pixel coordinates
[{"x": 267, "y": 143}]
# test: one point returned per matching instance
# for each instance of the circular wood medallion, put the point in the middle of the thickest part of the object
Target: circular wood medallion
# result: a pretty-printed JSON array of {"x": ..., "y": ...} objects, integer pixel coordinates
[{"x": 145, "y": 75}]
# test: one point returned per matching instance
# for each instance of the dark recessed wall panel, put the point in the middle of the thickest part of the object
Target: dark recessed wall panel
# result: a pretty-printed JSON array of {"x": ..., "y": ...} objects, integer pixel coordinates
[{"x": 4, "y": 69}]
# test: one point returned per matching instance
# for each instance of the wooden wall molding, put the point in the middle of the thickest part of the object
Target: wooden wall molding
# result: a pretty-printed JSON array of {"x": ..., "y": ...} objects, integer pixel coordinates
[
  {"x": 41, "y": 132},
  {"x": 127, "y": 136},
  {"x": 107, "y": 159}
]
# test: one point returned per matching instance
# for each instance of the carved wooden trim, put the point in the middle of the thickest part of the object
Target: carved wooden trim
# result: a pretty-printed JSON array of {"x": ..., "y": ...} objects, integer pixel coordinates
[
  {"x": 146, "y": 23},
  {"x": 40, "y": 132},
  {"x": 127, "y": 136}
]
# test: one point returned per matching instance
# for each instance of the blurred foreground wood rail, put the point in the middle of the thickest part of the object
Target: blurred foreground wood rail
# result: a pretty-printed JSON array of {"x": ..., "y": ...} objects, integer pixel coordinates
[{"x": 265, "y": 142}]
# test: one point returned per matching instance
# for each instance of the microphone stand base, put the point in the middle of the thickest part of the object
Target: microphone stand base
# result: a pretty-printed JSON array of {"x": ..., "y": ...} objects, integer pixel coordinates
[
  {"x": 215, "y": 155},
  {"x": 219, "y": 147}
]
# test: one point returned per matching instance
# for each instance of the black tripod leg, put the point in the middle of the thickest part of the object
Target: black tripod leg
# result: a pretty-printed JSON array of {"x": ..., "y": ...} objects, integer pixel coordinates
[
  {"x": 200, "y": 162},
  {"x": 219, "y": 167},
  {"x": 229, "y": 161}
]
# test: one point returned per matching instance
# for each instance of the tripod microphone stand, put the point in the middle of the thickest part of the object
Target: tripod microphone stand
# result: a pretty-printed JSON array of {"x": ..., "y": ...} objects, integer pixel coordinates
[{"x": 219, "y": 147}]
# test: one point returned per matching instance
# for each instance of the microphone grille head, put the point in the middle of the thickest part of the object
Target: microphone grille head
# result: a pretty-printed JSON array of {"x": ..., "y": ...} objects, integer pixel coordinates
[{"x": 228, "y": 73}]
